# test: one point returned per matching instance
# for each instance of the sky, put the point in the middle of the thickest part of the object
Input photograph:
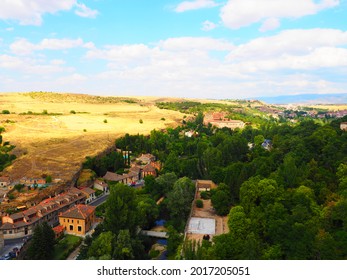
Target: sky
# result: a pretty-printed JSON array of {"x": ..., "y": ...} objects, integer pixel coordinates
[{"x": 216, "y": 49}]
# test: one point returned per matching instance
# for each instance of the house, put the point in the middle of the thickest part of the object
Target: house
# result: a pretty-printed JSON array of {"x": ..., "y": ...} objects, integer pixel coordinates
[
  {"x": 78, "y": 220},
  {"x": 343, "y": 126},
  {"x": 101, "y": 185},
  {"x": 32, "y": 182},
  {"x": 126, "y": 178},
  {"x": 147, "y": 170},
  {"x": 89, "y": 194},
  {"x": 4, "y": 181},
  {"x": 58, "y": 231},
  {"x": 219, "y": 120},
  {"x": 146, "y": 158},
  {"x": 267, "y": 144},
  {"x": 204, "y": 185},
  {"x": 189, "y": 133},
  {"x": 22, "y": 224}
]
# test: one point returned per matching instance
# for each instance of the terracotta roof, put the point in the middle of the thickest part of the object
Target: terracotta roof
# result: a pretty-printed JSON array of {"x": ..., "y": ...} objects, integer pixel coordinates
[
  {"x": 205, "y": 184},
  {"x": 59, "y": 229},
  {"x": 135, "y": 169},
  {"x": 110, "y": 176},
  {"x": 88, "y": 191},
  {"x": 101, "y": 183},
  {"x": 7, "y": 226},
  {"x": 5, "y": 179},
  {"x": 149, "y": 168},
  {"x": 79, "y": 211},
  {"x": 146, "y": 157}
]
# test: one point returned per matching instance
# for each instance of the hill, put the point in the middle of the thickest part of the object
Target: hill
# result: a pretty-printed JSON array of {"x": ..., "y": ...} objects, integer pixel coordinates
[
  {"x": 53, "y": 133},
  {"x": 307, "y": 99}
]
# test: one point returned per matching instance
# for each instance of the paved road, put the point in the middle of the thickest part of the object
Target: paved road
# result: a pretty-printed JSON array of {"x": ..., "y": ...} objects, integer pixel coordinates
[{"x": 100, "y": 200}]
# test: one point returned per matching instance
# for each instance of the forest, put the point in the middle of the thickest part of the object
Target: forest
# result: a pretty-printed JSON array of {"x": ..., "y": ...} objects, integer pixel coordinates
[
  {"x": 285, "y": 201},
  {"x": 5, "y": 147}
]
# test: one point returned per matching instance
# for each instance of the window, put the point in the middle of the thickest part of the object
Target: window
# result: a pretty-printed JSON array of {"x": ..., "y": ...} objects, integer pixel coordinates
[
  {"x": 78, "y": 221},
  {"x": 71, "y": 227},
  {"x": 79, "y": 228},
  {"x": 68, "y": 220}
]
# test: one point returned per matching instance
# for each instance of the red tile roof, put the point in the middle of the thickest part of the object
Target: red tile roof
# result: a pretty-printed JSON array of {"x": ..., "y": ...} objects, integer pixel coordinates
[
  {"x": 79, "y": 211},
  {"x": 59, "y": 229}
]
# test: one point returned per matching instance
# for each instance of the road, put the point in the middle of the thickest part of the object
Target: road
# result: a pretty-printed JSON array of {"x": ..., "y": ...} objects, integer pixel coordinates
[{"x": 100, "y": 200}]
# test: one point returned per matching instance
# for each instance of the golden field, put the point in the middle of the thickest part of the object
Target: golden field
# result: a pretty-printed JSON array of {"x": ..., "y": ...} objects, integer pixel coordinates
[{"x": 58, "y": 144}]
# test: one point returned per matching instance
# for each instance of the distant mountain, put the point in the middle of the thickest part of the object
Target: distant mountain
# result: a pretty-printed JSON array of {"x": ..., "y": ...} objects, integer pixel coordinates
[{"x": 340, "y": 98}]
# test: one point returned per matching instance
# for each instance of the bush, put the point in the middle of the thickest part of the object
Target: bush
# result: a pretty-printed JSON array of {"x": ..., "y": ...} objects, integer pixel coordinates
[
  {"x": 105, "y": 121},
  {"x": 199, "y": 203},
  {"x": 154, "y": 254},
  {"x": 163, "y": 119},
  {"x": 140, "y": 121},
  {"x": 72, "y": 112},
  {"x": 205, "y": 195},
  {"x": 48, "y": 179},
  {"x": 6, "y": 112},
  {"x": 84, "y": 130}
]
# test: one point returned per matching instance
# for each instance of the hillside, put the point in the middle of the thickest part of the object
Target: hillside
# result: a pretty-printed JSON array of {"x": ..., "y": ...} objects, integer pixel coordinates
[{"x": 53, "y": 133}]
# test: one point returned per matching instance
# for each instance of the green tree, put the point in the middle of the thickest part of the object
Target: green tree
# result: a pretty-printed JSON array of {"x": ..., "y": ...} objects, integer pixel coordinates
[
  {"x": 102, "y": 246},
  {"x": 123, "y": 248},
  {"x": 121, "y": 210},
  {"x": 41, "y": 246},
  {"x": 148, "y": 211},
  {"x": 179, "y": 201}
]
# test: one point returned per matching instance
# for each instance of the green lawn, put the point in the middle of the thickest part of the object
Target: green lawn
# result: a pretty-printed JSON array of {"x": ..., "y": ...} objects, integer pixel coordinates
[{"x": 66, "y": 246}]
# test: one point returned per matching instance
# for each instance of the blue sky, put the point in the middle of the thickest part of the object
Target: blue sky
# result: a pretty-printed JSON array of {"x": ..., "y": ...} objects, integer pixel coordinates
[{"x": 194, "y": 48}]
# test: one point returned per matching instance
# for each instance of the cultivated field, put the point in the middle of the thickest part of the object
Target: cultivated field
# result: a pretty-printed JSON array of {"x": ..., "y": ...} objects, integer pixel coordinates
[{"x": 73, "y": 127}]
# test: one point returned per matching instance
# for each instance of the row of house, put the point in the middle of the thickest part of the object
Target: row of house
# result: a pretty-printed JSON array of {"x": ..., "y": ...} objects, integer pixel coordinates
[{"x": 22, "y": 224}]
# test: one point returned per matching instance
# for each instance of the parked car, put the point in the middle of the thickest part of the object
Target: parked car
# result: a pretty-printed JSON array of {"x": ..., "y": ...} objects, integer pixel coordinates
[{"x": 7, "y": 257}]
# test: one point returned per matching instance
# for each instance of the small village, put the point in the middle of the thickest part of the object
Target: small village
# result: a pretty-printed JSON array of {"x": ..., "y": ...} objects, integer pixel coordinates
[{"x": 73, "y": 211}]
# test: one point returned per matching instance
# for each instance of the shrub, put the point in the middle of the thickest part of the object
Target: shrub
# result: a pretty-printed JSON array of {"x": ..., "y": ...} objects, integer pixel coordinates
[
  {"x": 48, "y": 179},
  {"x": 105, "y": 121},
  {"x": 163, "y": 119},
  {"x": 199, "y": 203},
  {"x": 84, "y": 130},
  {"x": 140, "y": 121},
  {"x": 154, "y": 253},
  {"x": 72, "y": 112},
  {"x": 205, "y": 195},
  {"x": 6, "y": 112}
]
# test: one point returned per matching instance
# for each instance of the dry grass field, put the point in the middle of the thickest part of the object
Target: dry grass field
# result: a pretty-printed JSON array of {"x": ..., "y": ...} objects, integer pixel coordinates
[{"x": 58, "y": 142}]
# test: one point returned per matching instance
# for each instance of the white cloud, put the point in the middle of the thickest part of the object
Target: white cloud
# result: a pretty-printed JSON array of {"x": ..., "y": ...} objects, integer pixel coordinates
[
  {"x": 23, "y": 47},
  {"x": 83, "y": 11},
  {"x": 208, "y": 25},
  {"x": 270, "y": 24},
  {"x": 198, "y": 43},
  {"x": 291, "y": 42},
  {"x": 31, "y": 66},
  {"x": 30, "y": 12},
  {"x": 239, "y": 13},
  {"x": 195, "y": 5}
]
